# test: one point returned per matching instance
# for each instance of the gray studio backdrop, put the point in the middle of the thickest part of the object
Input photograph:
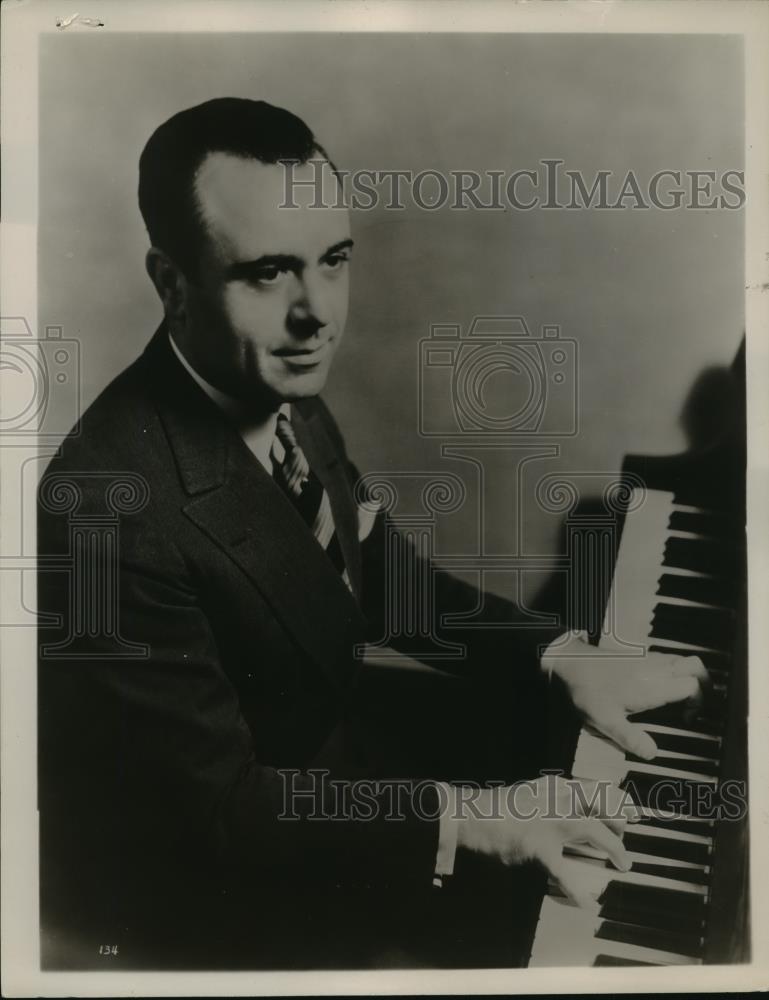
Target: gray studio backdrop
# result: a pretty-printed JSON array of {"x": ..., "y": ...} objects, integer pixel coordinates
[{"x": 651, "y": 298}]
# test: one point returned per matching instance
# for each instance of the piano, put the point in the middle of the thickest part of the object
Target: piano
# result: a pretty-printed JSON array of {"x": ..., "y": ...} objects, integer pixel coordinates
[{"x": 679, "y": 585}]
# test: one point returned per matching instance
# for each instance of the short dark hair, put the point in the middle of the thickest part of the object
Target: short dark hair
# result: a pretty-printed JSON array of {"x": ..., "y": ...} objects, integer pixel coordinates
[{"x": 176, "y": 149}]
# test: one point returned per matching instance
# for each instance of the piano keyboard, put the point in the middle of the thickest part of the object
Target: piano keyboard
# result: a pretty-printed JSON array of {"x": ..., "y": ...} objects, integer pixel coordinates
[{"x": 673, "y": 591}]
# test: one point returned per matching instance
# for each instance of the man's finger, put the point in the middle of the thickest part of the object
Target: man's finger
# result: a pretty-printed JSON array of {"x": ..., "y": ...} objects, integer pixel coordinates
[
  {"x": 677, "y": 664},
  {"x": 629, "y": 736},
  {"x": 567, "y": 877},
  {"x": 598, "y": 835},
  {"x": 651, "y": 692},
  {"x": 690, "y": 666},
  {"x": 608, "y": 802},
  {"x": 620, "y": 809}
]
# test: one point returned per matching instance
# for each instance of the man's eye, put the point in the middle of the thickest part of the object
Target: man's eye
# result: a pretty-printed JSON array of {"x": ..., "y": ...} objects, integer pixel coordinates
[
  {"x": 269, "y": 275},
  {"x": 336, "y": 261}
]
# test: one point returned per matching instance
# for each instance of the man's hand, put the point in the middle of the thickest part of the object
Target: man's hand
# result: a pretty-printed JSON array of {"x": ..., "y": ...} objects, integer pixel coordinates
[
  {"x": 535, "y": 820},
  {"x": 606, "y": 687}
]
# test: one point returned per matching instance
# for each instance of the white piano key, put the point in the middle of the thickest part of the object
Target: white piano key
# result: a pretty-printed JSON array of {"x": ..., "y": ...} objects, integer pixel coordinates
[
  {"x": 680, "y": 755},
  {"x": 684, "y": 602},
  {"x": 654, "y": 727},
  {"x": 566, "y": 937},
  {"x": 637, "y": 858},
  {"x": 600, "y": 771},
  {"x": 593, "y": 877},
  {"x": 592, "y": 748},
  {"x": 593, "y": 853},
  {"x": 688, "y": 509},
  {"x": 599, "y": 759},
  {"x": 616, "y": 773},
  {"x": 667, "y": 815},
  {"x": 670, "y": 772},
  {"x": 683, "y": 648},
  {"x": 637, "y": 953},
  {"x": 682, "y": 571},
  {"x": 671, "y": 834},
  {"x": 638, "y": 569}
]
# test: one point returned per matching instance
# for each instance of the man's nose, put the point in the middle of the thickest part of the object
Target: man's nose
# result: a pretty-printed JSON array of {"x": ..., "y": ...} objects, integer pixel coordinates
[{"x": 310, "y": 311}]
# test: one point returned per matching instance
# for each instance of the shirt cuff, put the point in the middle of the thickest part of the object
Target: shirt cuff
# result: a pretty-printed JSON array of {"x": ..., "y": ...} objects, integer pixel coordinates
[{"x": 447, "y": 833}]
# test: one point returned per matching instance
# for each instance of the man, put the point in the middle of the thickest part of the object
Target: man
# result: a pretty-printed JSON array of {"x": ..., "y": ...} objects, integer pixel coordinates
[{"x": 171, "y": 735}]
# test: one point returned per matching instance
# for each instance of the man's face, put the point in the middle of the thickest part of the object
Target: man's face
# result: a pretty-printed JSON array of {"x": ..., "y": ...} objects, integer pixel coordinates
[{"x": 267, "y": 313}]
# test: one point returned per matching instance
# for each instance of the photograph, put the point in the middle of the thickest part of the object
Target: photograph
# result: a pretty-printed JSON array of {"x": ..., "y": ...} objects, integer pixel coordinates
[{"x": 383, "y": 542}]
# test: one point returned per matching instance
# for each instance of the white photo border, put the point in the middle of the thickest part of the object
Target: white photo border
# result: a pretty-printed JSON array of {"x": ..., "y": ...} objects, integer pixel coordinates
[{"x": 23, "y": 21}]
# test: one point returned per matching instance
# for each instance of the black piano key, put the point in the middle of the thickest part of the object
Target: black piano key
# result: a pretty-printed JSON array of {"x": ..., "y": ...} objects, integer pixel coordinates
[
  {"x": 700, "y": 589},
  {"x": 694, "y": 875},
  {"x": 703, "y": 827},
  {"x": 658, "y": 791},
  {"x": 697, "y": 626},
  {"x": 655, "y": 791},
  {"x": 665, "y": 629},
  {"x": 694, "y": 766},
  {"x": 709, "y": 523},
  {"x": 651, "y": 937},
  {"x": 676, "y": 716},
  {"x": 704, "y": 493},
  {"x": 709, "y": 717},
  {"x": 714, "y": 704},
  {"x": 718, "y": 621},
  {"x": 607, "y": 961},
  {"x": 667, "y": 847},
  {"x": 718, "y": 663},
  {"x": 686, "y": 744},
  {"x": 671, "y": 908},
  {"x": 715, "y": 558}
]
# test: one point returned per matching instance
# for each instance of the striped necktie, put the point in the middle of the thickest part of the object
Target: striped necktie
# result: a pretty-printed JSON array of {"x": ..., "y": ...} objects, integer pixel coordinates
[{"x": 293, "y": 474}]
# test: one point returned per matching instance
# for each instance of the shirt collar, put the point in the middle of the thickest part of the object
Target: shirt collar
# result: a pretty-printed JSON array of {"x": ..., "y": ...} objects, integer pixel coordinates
[{"x": 259, "y": 437}]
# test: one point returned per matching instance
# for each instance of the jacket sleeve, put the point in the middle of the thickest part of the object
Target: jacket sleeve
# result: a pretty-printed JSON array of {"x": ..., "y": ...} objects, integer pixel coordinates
[
  {"x": 506, "y": 651},
  {"x": 152, "y": 750},
  {"x": 508, "y": 656}
]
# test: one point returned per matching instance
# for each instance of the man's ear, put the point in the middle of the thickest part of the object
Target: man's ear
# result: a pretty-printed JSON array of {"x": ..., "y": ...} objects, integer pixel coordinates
[{"x": 169, "y": 282}]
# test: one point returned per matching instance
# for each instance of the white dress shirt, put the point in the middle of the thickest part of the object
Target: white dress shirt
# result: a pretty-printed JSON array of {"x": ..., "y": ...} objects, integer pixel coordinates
[{"x": 259, "y": 436}]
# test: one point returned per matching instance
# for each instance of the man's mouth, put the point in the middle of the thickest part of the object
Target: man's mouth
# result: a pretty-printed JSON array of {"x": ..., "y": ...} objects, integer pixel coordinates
[{"x": 303, "y": 357}]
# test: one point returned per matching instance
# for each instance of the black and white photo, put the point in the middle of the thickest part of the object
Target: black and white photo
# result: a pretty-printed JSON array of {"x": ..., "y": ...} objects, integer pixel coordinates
[{"x": 380, "y": 439}]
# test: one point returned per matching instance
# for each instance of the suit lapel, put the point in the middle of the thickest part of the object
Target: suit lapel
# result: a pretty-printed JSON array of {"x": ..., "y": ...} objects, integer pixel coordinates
[
  {"x": 233, "y": 500},
  {"x": 260, "y": 530}
]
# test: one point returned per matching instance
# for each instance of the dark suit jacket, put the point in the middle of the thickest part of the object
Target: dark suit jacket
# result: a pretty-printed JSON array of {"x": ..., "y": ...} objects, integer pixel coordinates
[{"x": 159, "y": 788}]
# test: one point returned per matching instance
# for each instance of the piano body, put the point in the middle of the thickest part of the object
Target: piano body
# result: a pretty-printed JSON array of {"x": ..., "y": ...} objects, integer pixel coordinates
[{"x": 679, "y": 585}]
